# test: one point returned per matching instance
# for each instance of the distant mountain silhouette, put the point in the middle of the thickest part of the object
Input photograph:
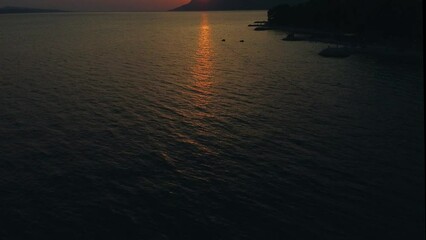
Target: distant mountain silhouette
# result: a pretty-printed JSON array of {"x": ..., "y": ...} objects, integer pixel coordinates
[
  {"x": 216, "y": 5},
  {"x": 5, "y": 10}
]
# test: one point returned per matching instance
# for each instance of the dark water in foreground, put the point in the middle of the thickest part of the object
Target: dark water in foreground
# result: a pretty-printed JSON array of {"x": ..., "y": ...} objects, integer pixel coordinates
[{"x": 148, "y": 126}]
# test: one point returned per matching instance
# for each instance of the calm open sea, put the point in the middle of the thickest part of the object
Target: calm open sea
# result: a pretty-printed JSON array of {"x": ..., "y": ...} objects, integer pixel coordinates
[{"x": 148, "y": 126}]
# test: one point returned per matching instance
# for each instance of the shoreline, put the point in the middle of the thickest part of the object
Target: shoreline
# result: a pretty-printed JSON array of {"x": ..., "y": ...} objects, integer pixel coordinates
[{"x": 347, "y": 40}]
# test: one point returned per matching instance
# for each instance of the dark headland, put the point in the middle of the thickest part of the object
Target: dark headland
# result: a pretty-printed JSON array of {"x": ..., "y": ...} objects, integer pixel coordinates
[
  {"x": 223, "y": 5},
  {"x": 10, "y": 10},
  {"x": 376, "y": 25}
]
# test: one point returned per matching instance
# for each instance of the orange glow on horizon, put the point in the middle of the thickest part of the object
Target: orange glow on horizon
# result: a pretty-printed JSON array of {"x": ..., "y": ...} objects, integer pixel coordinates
[{"x": 100, "y": 5}]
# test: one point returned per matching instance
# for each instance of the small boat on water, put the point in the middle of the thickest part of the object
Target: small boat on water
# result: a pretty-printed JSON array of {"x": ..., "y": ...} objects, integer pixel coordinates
[{"x": 258, "y": 24}]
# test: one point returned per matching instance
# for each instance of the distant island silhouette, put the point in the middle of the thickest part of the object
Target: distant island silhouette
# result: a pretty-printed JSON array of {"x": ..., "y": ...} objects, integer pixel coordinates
[
  {"x": 10, "y": 10},
  {"x": 218, "y": 5}
]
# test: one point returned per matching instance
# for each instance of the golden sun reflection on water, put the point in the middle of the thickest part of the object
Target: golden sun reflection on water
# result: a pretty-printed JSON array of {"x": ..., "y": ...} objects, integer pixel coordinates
[
  {"x": 202, "y": 70},
  {"x": 201, "y": 87}
]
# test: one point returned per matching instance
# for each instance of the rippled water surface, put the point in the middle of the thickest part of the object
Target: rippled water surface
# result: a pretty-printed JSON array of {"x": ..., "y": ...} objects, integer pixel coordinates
[{"x": 148, "y": 126}]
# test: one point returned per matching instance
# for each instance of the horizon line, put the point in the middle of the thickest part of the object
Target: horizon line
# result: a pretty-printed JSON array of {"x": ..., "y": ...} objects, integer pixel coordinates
[{"x": 123, "y": 11}]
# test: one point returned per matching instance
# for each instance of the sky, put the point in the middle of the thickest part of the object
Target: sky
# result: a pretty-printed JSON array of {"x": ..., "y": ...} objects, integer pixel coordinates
[{"x": 98, "y": 5}]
